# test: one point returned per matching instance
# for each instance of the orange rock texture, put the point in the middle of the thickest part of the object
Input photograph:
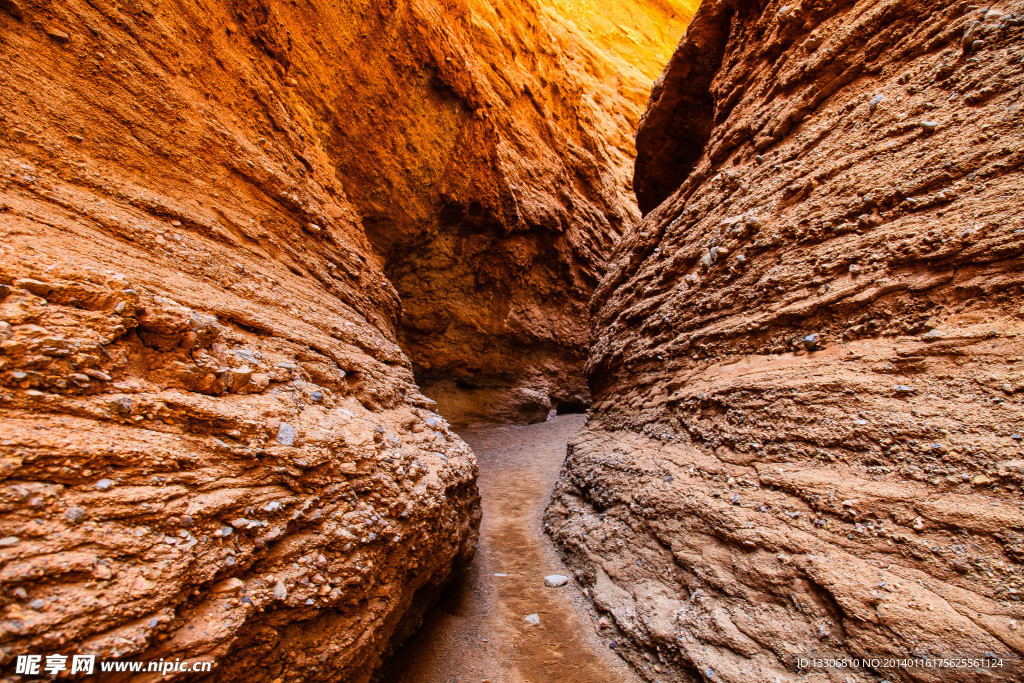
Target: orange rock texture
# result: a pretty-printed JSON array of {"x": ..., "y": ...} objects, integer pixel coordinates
[
  {"x": 220, "y": 222},
  {"x": 489, "y": 150},
  {"x": 808, "y": 370}
]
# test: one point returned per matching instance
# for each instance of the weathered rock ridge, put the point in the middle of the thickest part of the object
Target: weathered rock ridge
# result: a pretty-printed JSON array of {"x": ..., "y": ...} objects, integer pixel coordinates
[
  {"x": 809, "y": 357},
  {"x": 212, "y": 445}
]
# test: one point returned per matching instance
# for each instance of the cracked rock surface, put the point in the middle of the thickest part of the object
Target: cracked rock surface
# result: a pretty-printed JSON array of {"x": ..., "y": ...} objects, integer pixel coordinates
[{"x": 807, "y": 372}]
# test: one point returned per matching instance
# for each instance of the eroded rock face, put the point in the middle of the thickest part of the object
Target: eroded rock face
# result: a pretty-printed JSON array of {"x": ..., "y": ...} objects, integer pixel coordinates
[
  {"x": 211, "y": 444},
  {"x": 808, "y": 367},
  {"x": 488, "y": 147}
]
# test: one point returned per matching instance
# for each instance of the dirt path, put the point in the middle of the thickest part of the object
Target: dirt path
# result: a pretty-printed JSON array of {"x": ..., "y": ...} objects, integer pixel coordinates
[{"x": 478, "y": 632}]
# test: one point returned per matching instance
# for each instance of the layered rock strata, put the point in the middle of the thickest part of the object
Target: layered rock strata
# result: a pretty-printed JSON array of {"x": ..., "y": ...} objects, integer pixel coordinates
[
  {"x": 488, "y": 147},
  {"x": 221, "y": 223},
  {"x": 809, "y": 362},
  {"x": 211, "y": 445}
]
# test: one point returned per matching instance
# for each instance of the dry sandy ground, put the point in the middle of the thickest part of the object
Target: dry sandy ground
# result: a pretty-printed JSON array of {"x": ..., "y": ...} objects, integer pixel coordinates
[{"x": 478, "y": 632}]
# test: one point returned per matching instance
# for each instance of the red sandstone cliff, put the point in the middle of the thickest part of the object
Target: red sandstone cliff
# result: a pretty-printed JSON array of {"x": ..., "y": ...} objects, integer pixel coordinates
[
  {"x": 808, "y": 358},
  {"x": 230, "y": 233},
  {"x": 212, "y": 445}
]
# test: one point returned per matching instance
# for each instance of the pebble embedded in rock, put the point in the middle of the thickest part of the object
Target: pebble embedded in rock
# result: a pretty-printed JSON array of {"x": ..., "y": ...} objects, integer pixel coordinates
[
  {"x": 229, "y": 585},
  {"x": 74, "y": 514},
  {"x": 103, "y": 485},
  {"x": 812, "y": 342},
  {"x": 532, "y": 619},
  {"x": 122, "y": 406},
  {"x": 971, "y": 31},
  {"x": 8, "y": 541},
  {"x": 555, "y": 580},
  {"x": 58, "y": 35},
  {"x": 35, "y": 286},
  {"x": 237, "y": 378},
  {"x": 316, "y": 396},
  {"x": 280, "y": 590},
  {"x": 37, "y": 604},
  {"x": 286, "y": 434}
]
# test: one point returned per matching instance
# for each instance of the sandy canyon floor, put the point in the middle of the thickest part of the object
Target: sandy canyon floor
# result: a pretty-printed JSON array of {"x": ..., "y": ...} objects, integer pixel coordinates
[{"x": 478, "y": 632}]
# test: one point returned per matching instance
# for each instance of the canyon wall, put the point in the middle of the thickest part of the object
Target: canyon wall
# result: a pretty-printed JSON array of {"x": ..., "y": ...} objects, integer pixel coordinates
[
  {"x": 488, "y": 147},
  {"x": 808, "y": 370},
  {"x": 221, "y": 222},
  {"x": 212, "y": 446}
]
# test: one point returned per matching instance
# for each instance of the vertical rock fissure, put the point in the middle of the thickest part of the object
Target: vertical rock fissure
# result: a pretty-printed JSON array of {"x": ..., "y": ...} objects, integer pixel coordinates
[{"x": 682, "y": 112}]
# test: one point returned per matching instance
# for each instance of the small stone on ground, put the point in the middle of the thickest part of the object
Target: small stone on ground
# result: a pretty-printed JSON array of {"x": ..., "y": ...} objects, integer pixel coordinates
[{"x": 555, "y": 580}]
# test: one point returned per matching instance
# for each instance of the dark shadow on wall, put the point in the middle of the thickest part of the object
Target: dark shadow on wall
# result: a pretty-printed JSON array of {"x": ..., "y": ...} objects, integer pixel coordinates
[
  {"x": 572, "y": 408},
  {"x": 681, "y": 114}
]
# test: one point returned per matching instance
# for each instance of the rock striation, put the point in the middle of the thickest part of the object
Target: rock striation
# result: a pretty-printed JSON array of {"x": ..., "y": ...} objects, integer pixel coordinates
[
  {"x": 221, "y": 223},
  {"x": 488, "y": 148},
  {"x": 807, "y": 371},
  {"x": 211, "y": 446}
]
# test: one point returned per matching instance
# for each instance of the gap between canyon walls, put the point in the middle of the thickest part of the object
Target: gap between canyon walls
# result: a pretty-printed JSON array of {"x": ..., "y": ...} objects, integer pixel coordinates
[{"x": 488, "y": 150}]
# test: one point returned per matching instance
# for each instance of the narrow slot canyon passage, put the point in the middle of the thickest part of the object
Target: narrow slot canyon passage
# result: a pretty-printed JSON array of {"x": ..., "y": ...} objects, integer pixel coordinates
[
  {"x": 478, "y": 630},
  {"x": 267, "y": 266}
]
